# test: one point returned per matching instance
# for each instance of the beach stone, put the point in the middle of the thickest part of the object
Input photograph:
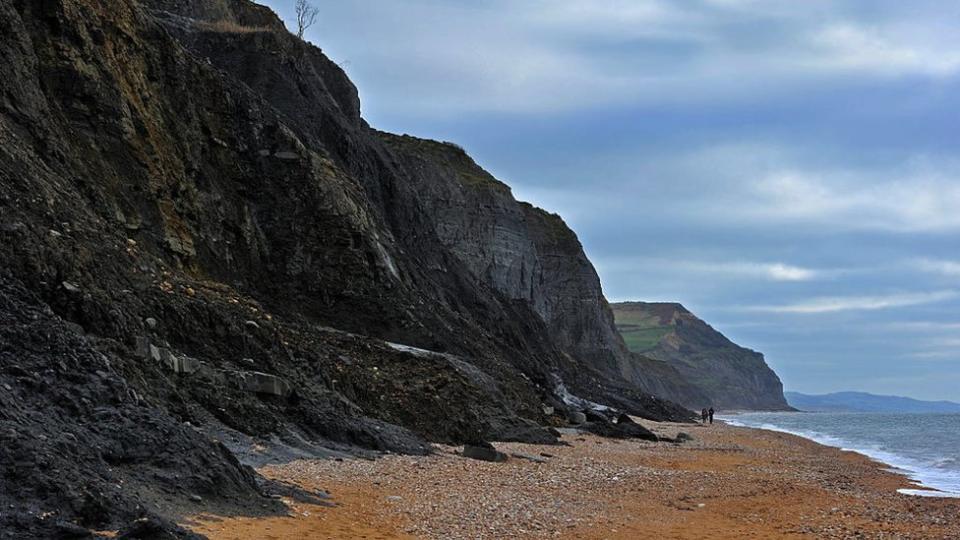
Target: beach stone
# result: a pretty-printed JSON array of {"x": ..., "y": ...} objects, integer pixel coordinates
[
  {"x": 577, "y": 417},
  {"x": 528, "y": 457},
  {"x": 683, "y": 437},
  {"x": 151, "y": 322},
  {"x": 484, "y": 453}
]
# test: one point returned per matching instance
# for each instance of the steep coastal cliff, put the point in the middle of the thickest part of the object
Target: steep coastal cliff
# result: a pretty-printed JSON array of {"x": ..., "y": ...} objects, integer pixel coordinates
[
  {"x": 724, "y": 374},
  {"x": 204, "y": 244}
]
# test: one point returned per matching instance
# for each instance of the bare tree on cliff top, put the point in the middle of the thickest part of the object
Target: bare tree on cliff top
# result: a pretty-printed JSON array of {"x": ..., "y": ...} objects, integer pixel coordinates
[{"x": 306, "y": 16}]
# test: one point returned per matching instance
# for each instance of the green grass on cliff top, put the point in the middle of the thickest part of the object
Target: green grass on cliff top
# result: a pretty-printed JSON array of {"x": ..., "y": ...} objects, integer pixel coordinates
[
  {"x": 641, "y": 331},
  {"x": 642, "y": 339}
]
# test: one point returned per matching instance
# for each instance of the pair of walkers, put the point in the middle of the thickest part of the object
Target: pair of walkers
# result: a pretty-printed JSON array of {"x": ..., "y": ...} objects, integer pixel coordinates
[{"x": 705, "y": 414}]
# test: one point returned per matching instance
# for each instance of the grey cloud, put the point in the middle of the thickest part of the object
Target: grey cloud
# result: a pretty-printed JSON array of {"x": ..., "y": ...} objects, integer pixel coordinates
[
  {"x": 540, "y": 56},
  {"x": 858, "y": 303}
]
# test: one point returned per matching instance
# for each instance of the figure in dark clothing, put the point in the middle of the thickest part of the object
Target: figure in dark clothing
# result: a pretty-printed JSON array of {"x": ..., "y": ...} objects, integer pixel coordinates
[
  {"x": 710, "y": 412},
  {"x": 703, "y": 415}
]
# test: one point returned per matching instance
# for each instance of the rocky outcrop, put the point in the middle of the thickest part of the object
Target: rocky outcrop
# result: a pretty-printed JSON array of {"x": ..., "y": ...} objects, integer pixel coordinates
[{"x": 720, "y": 373}]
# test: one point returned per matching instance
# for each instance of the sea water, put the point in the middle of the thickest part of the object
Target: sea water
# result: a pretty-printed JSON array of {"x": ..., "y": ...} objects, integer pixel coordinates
[{"x": 925, "y": 447}]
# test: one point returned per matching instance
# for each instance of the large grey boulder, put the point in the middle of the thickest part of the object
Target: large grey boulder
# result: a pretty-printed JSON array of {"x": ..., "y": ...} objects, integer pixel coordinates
[{"x": 627, "y": 430}]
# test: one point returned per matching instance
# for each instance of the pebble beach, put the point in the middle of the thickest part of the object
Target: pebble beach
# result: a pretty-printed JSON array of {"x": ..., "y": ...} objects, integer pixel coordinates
[{"x": 728, "y": 482}]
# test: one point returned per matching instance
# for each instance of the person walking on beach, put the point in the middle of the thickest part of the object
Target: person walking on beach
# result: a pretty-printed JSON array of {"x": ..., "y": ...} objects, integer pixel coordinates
[
  {"x": 703, "y": 415},
  {"x": 710, "y": 412}
]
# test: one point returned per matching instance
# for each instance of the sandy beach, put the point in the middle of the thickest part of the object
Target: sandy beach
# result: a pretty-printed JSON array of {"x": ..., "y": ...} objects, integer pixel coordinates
[{"x": 730, "y": 482}]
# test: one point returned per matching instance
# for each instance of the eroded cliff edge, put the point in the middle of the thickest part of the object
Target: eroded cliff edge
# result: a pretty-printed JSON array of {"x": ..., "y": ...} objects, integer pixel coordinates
[{"x": 202, "y": 241}]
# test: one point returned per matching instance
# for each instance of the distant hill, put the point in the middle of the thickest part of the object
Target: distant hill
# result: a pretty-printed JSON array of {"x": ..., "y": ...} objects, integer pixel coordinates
[
  {"x": 725, "y": 375},
  {"x": 864, "y": 402}
]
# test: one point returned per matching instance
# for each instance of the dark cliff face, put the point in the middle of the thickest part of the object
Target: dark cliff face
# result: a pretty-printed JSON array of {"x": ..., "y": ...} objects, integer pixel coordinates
[
  {"x": 527, "y": 255},
  {"x": 202, "y": 239},
  {"x": 723, "y": 374},
  {"x": 532, "y": 259}
]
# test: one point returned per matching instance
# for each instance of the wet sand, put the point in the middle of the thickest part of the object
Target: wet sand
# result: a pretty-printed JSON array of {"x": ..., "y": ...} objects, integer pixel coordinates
[{"x": 730, "y": 482}]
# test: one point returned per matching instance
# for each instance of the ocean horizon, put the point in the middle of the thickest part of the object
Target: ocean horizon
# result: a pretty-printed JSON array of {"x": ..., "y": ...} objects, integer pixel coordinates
[{"x": 925, "y": 447}]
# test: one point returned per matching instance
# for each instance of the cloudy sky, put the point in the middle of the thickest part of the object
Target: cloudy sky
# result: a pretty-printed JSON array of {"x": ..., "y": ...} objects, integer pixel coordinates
[{"x": 787, "y": 170}]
